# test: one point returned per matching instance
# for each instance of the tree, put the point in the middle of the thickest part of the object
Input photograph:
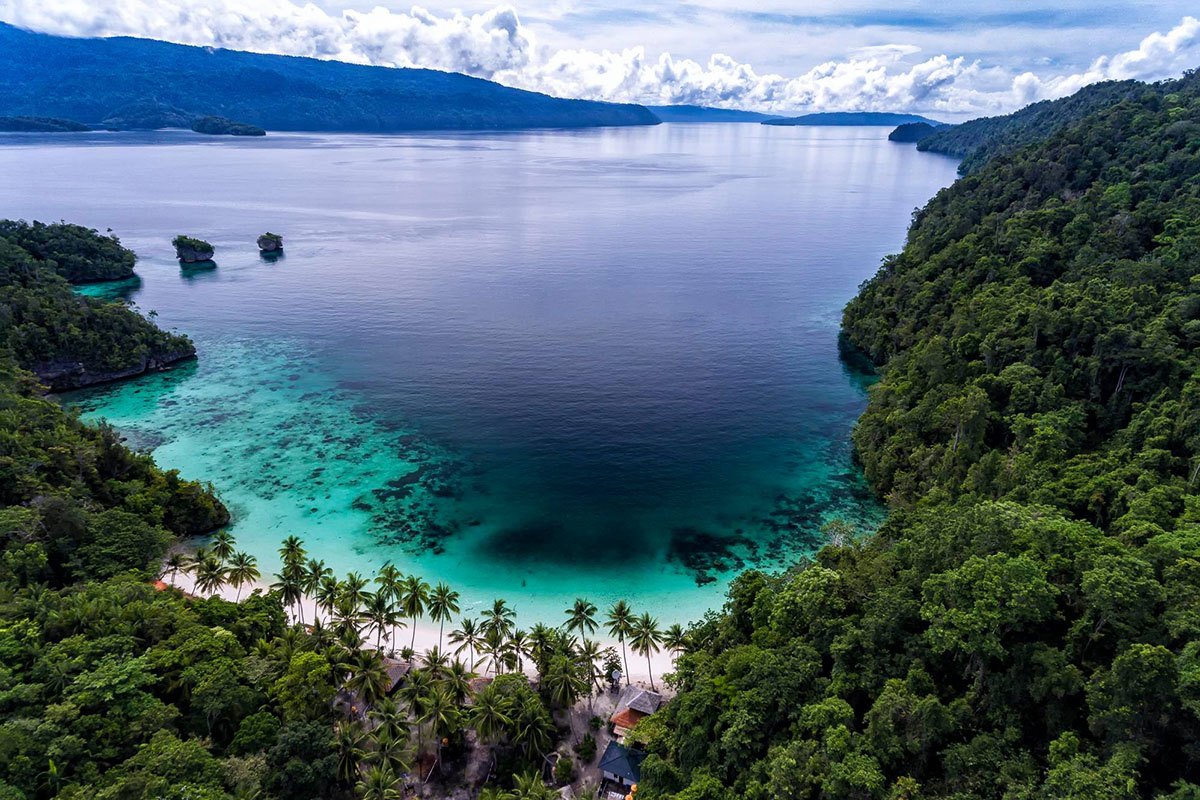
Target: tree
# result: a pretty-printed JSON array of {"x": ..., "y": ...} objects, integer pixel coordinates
[
  {"x": 646, "y": 639},
  {"x": 490, "y": 714},
  {"x": 443, "y": 603},
  {"x": 210, "y": 576},
  {"x": 581, "y": 617},
  {"x": 499, "y": 618},
  {"x": 467, "y": 637},
  {"x": 380, "y": 783},
  {"x": 675, "y": 639},
  {"x": 530, "y": 786},
  {"x": 382, "y": 616},
  {"x": 368, "y": 677},
  {"x": 243, "y": 569},
  {"x": 292, "y": 552},
  {"x": 288, "y": 584},
  {"x": 223, "y": 545},
  {"x": 620, "y": 624},
  {"x": 414, "y": 594},
  {"x": 351, "y": 748}
]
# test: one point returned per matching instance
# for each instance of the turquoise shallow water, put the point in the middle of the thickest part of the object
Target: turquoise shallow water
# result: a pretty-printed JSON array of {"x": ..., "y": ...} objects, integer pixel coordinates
[{"x": 533, "y": 365}]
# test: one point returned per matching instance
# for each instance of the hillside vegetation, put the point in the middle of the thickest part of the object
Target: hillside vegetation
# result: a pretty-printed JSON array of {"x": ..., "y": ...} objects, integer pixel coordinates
[
  {"x": 146, "y": 83},
  {"x": 1027, "y": 623},
  {"x": 980, "y": 140}
]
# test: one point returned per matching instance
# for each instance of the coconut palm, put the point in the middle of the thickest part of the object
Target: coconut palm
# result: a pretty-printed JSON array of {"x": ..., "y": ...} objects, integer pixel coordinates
[
  {"x": 442, "y": 714},
  {"x": 676, "y": 639},
  {"x": 390, "y": 751},
  {"x": 530, "y": 786},
  {"x": 380, "y": 783},
  {"x": 436, "y": 662},
  {"x": 620, "y": 624},
  {"x": 415, "y": 688},
  {"x": 243, "y": 569},
  {"x": 382, "y": 616},
  {"x": 351, "y": 743},
  {"x": 494, "y": 645},
  {"x": 390, "y": 719},
  {"x": 646, "y": 639},
  {"x": 327, "y": 594},
  {"x": 388, "y": 581},
  {"x": 175, "y": 564},
  {"x": 499, "y": 618},
  {"x": 590, "y": 657},
  {"x": 291, "y": 550},
  {"x": 443, "y": 604},
  {"x": 533, "y": 729},
  {"x": 347, "y": 618},
  {"x": 581, "y": 617},
  {"x": 210, "y": 576},
  {"x": 223, "y": 545},
  {"x": 198, "y": 557},
  {"x": 458, "y": 680},
  {"x": 288, "y": 586},
  {"x": 467, "y": 637},
  {"x": 414, "y": 594},
  {"x": 563, "y": 681},
  {"x": 313, "y": 574},
  {"x": 368, "y": 677},
  {"x": 519, "y": 645},
  {"x": 354, "y": 589},
  {"x": 490, "y": 714}
]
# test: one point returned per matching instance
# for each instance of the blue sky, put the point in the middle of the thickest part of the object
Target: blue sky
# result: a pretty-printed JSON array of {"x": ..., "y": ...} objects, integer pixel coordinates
[{"x": 955, "y": 59}]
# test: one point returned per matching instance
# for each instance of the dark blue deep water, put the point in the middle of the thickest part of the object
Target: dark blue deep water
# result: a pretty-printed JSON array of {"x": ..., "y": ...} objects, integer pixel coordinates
[{"x": 557, "y": 361}]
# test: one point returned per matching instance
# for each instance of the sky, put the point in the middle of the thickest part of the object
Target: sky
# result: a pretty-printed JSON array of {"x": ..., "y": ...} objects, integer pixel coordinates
[{"x": 953, "y": 60}]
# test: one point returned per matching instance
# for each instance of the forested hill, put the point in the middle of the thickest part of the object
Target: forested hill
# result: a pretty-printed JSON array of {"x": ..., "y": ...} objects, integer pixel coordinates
[
  {"x": 1027, "y": 623},
  {"x": 980, "y": 140},
  {"x": 96, "y": 79}
]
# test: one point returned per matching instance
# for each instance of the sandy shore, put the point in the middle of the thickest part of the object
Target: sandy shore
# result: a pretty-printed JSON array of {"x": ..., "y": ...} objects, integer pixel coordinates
[{"x": 426, "y": 633}]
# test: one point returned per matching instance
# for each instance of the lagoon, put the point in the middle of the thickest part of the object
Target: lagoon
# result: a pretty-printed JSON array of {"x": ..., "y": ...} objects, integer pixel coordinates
[{"x": 534, "y": 365}]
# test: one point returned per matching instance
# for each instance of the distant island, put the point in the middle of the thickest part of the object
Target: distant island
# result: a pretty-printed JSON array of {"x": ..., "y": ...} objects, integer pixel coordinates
[
  {"x": 851, "y": 118},
  {"x": 912, "y": 132},
  {"x": 41, "y": 125},
  {"x": 219, "y": 126},
  {"x": 690, "y": 113},
  {"x": 120, "y": 79}
]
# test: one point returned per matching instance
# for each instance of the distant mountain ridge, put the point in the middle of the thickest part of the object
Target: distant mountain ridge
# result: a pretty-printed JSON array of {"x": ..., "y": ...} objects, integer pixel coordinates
[
  {"x": 693, "y": 113},
  {"x": 89, "y": 79},
  {"x": 882, "y": 118}
]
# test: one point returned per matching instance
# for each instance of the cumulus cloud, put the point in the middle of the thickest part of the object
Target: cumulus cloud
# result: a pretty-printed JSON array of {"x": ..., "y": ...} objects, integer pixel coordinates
[{"x": 495, "y": 44}]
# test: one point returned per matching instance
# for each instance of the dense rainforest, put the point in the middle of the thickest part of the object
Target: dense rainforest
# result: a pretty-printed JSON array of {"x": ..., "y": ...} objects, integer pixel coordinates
[{"x": 1027, "y": 622}]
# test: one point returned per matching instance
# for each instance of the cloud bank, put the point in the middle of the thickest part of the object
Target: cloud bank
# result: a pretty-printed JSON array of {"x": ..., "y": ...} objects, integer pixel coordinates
[{"x": 496, "y": 45}]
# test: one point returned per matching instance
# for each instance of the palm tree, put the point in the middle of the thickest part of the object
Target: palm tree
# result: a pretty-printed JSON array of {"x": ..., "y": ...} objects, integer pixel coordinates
[
  {"x": 291, "y": 550},
  {"x": 380, "y": 783},
  {"x": 620, "y": 624},
  {"x": 327, "y": 594},
  {"x": 540, "y": 645},
  {"x": 381, "y": 614},
  {"x": 368, "y": 677},
  {"x": 499, "y": 618},
  {"x": 532, "y": 727},
  {"x": 645, "y": 640},
  {"x": 390, "y": 719},
  {"x": 590, "y": 656},
  {"x": 312, "y": 576},
  {"x": 435, "y": 662},
  {"x": 443, "y": 603},
  {"x": 389, "y": 579},
  {"x": 581, "y": 617},
  {"x": 530, "y": 786},
  {"x": 414, "y": 594},
  {"x": 493, "y": 644},
  {"x": 519, "y": 642},
  {"x": 351, "y": 739},
  {"x": 197, "y": 558},
  {"x": 210, "y": 576},
  {"x": 563, "y": 682},
  {"x": 354, "y": 589},
  {"x": 390, "y": 751},
  {"x": 175, "y": 564},
  {"x": 458, "y": 680},
  {"x": 442, "y": 713},
  {"x": 467, "y": 637},
  {"x": 289, "y": 589},
  {"x": 676, "y": 639},
  {"x": 243, "y": 569},
  {"x": 490, "y": 715},
  {"x": 223, "y": 545}
]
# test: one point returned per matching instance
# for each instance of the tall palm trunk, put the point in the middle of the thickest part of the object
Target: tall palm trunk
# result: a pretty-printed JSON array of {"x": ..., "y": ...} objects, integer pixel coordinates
[{"x": 625, "y": 658}]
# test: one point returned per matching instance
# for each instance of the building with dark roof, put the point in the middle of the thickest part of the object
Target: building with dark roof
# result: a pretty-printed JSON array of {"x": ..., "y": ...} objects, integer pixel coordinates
[{"x": 621, "y": 764}]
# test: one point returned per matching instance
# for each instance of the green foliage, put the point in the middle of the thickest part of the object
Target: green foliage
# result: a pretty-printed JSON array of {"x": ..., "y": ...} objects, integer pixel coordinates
[
  {"x": 76, "y": 253},
  {"x": 564, "y": 770},
  {"x": 1025, "y": 623},
  {"x": 220, "y": 126},
  {"x": 190, "y": 243}
]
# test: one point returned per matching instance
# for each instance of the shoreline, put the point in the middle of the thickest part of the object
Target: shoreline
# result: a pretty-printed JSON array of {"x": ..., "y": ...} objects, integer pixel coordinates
[{"x": 425, "y": 633}]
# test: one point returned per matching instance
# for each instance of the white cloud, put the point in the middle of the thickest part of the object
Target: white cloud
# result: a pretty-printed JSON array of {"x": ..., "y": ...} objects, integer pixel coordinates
[{"x": 495, "y": 44}]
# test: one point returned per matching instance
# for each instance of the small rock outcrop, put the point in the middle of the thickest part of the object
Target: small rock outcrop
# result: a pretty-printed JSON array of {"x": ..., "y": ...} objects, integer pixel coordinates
[
  {"x": 911, "y": 132},
  {"x": 192, "y": 251},
  {"x": 270, "y": 242}
]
